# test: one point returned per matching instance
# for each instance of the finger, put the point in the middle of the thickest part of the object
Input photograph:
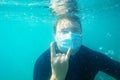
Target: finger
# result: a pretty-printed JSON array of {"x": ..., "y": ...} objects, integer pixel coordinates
[
  {"x": 63, "y": 57},
  {"x": 52, "y": 47},
  {"x": 68, "y": 53}
]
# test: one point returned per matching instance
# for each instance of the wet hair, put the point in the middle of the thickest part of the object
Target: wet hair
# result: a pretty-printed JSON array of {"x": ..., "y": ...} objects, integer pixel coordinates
[{"x": 72, "y": 18}]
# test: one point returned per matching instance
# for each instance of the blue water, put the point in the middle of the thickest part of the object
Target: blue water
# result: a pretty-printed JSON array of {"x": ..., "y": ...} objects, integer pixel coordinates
[{"x": 26, "y": 30}]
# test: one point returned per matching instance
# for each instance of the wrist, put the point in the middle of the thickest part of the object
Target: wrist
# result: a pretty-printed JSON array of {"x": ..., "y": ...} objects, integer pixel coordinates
[{"x": 54, "y": 77}]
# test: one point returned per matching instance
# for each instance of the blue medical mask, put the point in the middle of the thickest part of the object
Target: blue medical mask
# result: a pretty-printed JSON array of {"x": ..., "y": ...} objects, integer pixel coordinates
[{"x": 69, "y": 40}]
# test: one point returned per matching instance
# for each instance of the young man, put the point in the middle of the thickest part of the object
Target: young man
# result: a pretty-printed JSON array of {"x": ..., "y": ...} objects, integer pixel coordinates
[{"x": 68, "y": 59}]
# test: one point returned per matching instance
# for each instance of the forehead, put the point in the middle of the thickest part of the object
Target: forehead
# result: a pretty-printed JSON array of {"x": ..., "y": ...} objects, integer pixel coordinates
[{"x": 65, "y": 24}]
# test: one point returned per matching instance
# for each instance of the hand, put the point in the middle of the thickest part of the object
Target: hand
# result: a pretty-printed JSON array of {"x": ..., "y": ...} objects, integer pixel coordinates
[{"x": 59, "y": 63}]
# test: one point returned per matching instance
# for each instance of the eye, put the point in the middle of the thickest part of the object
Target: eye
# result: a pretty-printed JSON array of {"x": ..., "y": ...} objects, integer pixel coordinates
[
  {"x": 75, "y": 30},
  {"x": 64, "y": 31}
]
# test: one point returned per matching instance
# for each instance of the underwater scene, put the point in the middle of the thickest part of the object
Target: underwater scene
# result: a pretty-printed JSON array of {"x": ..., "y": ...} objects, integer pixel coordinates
[{"x": 26, "y": 31}]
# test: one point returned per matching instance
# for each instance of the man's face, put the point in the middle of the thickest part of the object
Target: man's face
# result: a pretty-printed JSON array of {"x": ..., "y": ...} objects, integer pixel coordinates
[{"x": 65, "y": 26}]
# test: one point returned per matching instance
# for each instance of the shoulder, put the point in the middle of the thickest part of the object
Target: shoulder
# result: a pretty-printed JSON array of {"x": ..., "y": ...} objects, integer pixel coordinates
[
  {"x": 87, "y": 51},
  {"x": 42, "y": 66},
  {"x": 44, "y": 58},
  {"x": 92, "y": 55}
]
